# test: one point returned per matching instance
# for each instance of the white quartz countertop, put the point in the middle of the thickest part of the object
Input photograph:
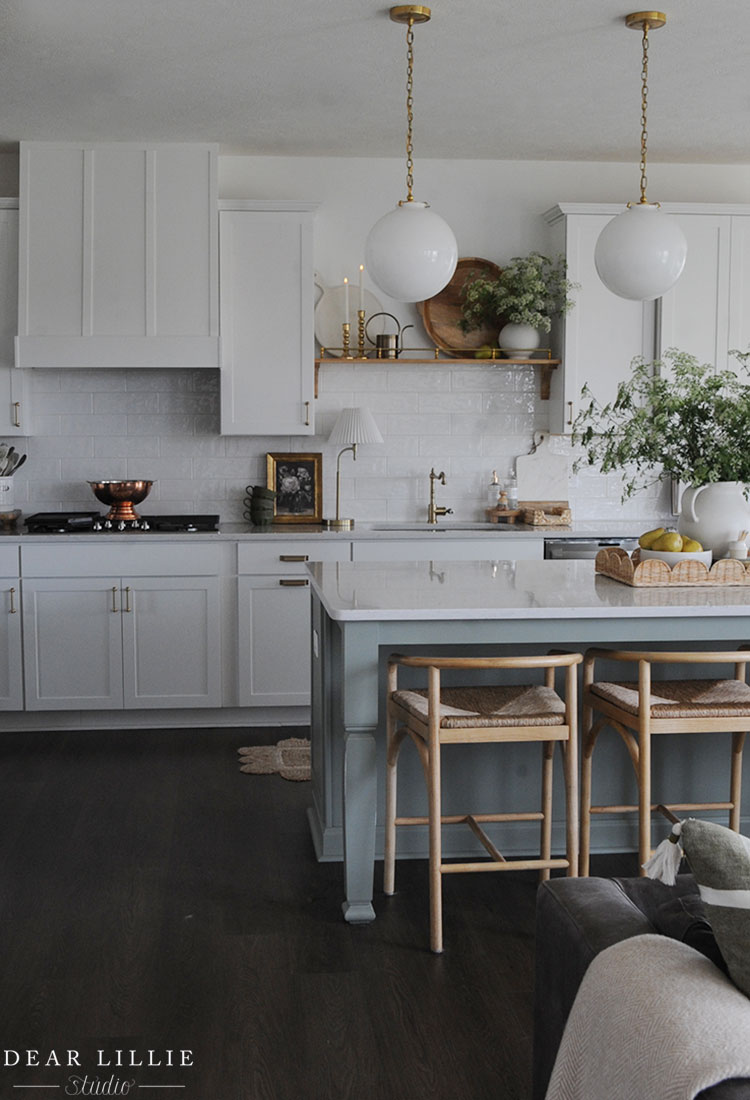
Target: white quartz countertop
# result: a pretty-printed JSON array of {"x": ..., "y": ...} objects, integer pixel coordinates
[{"x": 366, "y": 591}]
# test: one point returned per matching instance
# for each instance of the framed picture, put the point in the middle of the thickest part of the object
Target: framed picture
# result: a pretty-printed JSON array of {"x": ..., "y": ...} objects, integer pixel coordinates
[{"x": 298, "y": 482}]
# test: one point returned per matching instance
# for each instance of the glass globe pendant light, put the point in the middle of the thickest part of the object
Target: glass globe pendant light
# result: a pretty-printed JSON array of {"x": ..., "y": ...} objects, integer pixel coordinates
[
  {"x": 640, "y": 254},
  {"x": 411, "y": 253}
]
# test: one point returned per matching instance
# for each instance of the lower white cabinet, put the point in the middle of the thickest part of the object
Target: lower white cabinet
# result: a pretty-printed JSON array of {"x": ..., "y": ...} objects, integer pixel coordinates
[
  {"x": 97, "y": 641},
  {"x": 11, "y": 663},
  {"x": 437, "y": 548},
  {"x": 273, "y": 593}
]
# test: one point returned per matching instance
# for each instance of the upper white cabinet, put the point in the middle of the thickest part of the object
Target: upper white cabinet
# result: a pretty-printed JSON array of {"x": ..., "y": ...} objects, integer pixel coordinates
[
  {"x": 118, "y": 257},
  {"x": 15, "y": 410},
  {"x": 598, "y": 339},
  {"x": 706, "y": 312},
  {"x": 266, "y": 309}
]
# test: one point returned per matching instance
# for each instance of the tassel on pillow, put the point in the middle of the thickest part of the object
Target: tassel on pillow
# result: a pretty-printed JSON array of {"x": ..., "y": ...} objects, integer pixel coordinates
[{"x": 665, "y": 862}]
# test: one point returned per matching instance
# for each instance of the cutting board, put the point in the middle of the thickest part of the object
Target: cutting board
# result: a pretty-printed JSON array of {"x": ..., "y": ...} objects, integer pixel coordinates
[{"x": 542, "y": 475}]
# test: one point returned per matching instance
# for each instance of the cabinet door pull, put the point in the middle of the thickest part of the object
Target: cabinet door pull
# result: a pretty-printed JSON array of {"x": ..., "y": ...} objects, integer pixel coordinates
[
  {"x": 307, "y": 414},
  {"x": 570, "y": 414},
  {"x": 13, "y": 609},
  {"x": 127, "y": 598},
  {"x": 294, "y": 557},
  {"x": 16, "y": 414},
  {"x": 114, "y": 598},
  {"x": 290, "y": 582}
]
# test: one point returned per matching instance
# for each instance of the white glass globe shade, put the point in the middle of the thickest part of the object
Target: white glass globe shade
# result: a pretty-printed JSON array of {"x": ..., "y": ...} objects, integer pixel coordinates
[
  {"x": 411, "y": 253},
  {"x": 640, "y": 254}
]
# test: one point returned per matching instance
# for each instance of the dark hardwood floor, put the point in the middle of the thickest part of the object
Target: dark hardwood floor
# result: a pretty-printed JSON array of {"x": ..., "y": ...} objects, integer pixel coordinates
[{"x": 154, "y": 898}]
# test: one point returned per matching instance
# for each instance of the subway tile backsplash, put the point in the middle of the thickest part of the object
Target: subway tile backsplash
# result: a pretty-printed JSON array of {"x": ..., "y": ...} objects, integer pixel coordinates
[{"x": 164, "y": 425}]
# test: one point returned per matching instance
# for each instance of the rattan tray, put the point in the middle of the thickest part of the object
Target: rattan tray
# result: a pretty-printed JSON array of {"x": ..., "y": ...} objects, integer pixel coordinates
[{"x": 620, "y": 566}]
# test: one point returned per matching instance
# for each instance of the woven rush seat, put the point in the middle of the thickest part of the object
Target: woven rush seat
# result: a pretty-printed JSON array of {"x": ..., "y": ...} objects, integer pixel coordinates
[
  {"x": 482, "y": 707},
  {"x": 681, "y": 698},
  {"x": 643, "y": 708},
  {"x": 482, "y": 714}
]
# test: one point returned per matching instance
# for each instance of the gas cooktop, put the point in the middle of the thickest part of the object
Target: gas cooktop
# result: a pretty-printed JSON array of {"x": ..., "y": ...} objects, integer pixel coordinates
[{"x": 64, "y": 523}]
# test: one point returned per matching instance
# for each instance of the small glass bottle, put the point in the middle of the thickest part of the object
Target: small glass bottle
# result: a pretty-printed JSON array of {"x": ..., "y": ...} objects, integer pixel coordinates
[
  {"x": 511, "y": 488},
  {"x": 493, "y": 491}
]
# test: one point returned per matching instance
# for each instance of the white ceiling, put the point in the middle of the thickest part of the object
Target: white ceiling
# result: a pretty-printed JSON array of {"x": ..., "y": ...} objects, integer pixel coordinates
[{"x": 496, "y": 79}]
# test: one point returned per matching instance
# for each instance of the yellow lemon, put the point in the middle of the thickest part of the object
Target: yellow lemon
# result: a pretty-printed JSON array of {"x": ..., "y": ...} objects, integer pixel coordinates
[
  {"x": 670, "y": 540},
  {"x": 647, "y": 540},
  {"x": 691, "y": 546},
  {"x": 485, "y": 352}
]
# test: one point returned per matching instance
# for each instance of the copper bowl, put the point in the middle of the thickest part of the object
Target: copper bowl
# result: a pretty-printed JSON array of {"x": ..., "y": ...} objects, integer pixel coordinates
[{"x": 120, "y": 496}]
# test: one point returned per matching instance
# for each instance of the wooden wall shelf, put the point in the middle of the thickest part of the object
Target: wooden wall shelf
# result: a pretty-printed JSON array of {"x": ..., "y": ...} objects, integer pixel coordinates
[{"x": 545, "y": 366}]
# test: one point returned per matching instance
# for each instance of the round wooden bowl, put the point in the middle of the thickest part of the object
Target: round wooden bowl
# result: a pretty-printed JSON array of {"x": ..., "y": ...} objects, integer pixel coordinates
[{"x": 441, "y": 314}]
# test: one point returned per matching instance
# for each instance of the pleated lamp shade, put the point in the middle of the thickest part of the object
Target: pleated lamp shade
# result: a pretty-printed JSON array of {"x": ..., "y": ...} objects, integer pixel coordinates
[{"x": 355, "y": 426}]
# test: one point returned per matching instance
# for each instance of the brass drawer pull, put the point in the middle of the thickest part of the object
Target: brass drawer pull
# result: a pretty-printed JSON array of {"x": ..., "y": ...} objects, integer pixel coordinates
[
  {"x": 127, "y": 598},
  {"x": 13, "y": 609},
  {"x": 114, "y": 598},
  {"x": 289, "y": 582},
  {"x": 307, "y": 414},
  {"x": 294, "y": 557},
  {"x": 16, "y": 414},
  {"x": 570, "y": 413}
]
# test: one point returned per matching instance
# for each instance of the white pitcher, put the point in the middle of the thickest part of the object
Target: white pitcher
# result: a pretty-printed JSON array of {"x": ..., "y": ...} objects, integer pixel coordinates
[
  {"x": 714, "y": 514},
  {"x": 7, "y": 494}
]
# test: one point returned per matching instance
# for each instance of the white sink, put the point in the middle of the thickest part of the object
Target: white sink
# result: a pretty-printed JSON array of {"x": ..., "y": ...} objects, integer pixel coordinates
[{"x": 443, "y": 525}]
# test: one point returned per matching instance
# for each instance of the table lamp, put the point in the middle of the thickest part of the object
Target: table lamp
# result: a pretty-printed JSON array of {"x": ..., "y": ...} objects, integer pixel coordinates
[{"x": 352, "y": 427}]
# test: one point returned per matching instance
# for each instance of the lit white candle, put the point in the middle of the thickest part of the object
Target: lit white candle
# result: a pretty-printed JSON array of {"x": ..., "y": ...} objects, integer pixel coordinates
[
  {"x": 361, "y": 288},
  {"x": 346, "y": 301}
]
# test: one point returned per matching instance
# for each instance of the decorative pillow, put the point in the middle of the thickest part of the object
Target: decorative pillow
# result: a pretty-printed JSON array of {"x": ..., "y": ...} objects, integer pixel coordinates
[
  {"x": 720, "y": 862},
  {"x": 684, "y": 919}
]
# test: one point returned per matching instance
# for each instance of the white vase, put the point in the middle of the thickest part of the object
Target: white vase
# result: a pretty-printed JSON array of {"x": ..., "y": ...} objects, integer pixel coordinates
[
  {"x": 714, "y": 514},
  {"x": 519, "y": 341}
]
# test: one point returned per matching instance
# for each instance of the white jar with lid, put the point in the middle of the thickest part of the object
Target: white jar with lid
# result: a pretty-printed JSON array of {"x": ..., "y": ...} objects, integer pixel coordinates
[{"x": 737, "y": 549}]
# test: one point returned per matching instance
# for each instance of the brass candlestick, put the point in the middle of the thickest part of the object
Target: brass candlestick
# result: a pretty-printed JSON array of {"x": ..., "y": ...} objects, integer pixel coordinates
[
  {"x": 361, "y": 333},
  {"x": 345, "y": 336}
]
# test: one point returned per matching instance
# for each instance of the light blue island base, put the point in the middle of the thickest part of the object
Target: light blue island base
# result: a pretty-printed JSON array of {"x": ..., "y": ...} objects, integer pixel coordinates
[{"x": 363, "y": 611}]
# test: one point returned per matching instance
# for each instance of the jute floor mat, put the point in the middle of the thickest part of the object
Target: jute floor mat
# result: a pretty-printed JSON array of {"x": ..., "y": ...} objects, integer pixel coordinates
[{"x": 289, "y": 758}]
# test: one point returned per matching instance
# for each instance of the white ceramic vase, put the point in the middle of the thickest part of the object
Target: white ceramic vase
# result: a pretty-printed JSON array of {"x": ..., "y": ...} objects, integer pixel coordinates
[
  {"x": 519, "y": 341},
  {"x": 714, "y": 515}
]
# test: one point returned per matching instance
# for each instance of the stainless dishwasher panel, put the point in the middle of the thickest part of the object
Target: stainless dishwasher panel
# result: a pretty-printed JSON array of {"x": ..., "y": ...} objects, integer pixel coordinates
[{"x": 560, "y": 549}]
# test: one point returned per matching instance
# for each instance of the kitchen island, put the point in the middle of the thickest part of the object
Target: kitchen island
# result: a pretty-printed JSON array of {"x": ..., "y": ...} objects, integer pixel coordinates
[{"x": 362, "y": 611}]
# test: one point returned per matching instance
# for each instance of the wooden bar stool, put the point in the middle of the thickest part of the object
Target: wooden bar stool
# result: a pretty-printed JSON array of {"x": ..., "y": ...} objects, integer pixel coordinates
[
  {"x": 639, "y": 710},
  {"x": 479, "y": 714}
]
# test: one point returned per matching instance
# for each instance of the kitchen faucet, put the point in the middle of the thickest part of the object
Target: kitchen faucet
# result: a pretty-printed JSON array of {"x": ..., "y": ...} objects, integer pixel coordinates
[{"x": 436, "y": 510}]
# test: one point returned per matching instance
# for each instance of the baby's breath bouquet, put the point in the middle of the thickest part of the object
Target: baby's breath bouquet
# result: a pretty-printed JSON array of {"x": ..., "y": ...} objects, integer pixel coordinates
[
  {"x": 674, "y": 418},
  {"x": 530, "y": 290}
]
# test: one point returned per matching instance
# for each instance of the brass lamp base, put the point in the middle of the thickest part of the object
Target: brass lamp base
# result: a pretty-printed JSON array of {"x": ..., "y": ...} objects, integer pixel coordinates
[{"x": 338, "y": 524}]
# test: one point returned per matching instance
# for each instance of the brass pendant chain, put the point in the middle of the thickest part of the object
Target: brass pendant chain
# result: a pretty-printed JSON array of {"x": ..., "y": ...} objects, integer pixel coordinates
[
  {"x": 409, "y": 109},
  {"x": 644, "y": 112}
]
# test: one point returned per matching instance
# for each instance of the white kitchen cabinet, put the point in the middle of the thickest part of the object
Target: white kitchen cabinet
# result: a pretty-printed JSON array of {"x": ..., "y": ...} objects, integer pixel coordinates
[
  {"x": 11, "y": 662},
  {"x": 706, "y": 312},
  {"x": 601, "y": 335},
  {"x": 118, "y": 257},
  {"x": 266, "y": 318},
  {"x": 95, "y": 639},
  {"x": 274, "y": 618},
  {"x": 15, "y": 407}
]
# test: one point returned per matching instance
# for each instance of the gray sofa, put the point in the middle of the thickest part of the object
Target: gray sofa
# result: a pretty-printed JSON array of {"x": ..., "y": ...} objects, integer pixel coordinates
[{"x": 579, "y": 917}]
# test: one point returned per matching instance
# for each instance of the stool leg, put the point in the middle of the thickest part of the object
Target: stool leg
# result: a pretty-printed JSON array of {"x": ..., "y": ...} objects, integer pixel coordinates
[
  {"x": 435, "y": 811},
  {"x": 548, "y": 748},
  {"x": 735, "y": 792},
  {"x": 644, "y": 763},
  {"x": 588, "y": 740},
  {"x": 389, "y": 862}
]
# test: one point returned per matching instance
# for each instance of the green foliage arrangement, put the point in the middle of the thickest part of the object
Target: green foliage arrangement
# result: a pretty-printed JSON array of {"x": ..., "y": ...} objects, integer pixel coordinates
[
  {"x": 675, "y": 418},
  {"x": 529, "y": 291}
]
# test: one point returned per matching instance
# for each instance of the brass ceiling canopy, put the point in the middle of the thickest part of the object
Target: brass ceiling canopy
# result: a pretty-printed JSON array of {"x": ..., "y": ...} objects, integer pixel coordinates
[
  {"x": 642, "y": 20},
  {"x": 410, "y": 13}
]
